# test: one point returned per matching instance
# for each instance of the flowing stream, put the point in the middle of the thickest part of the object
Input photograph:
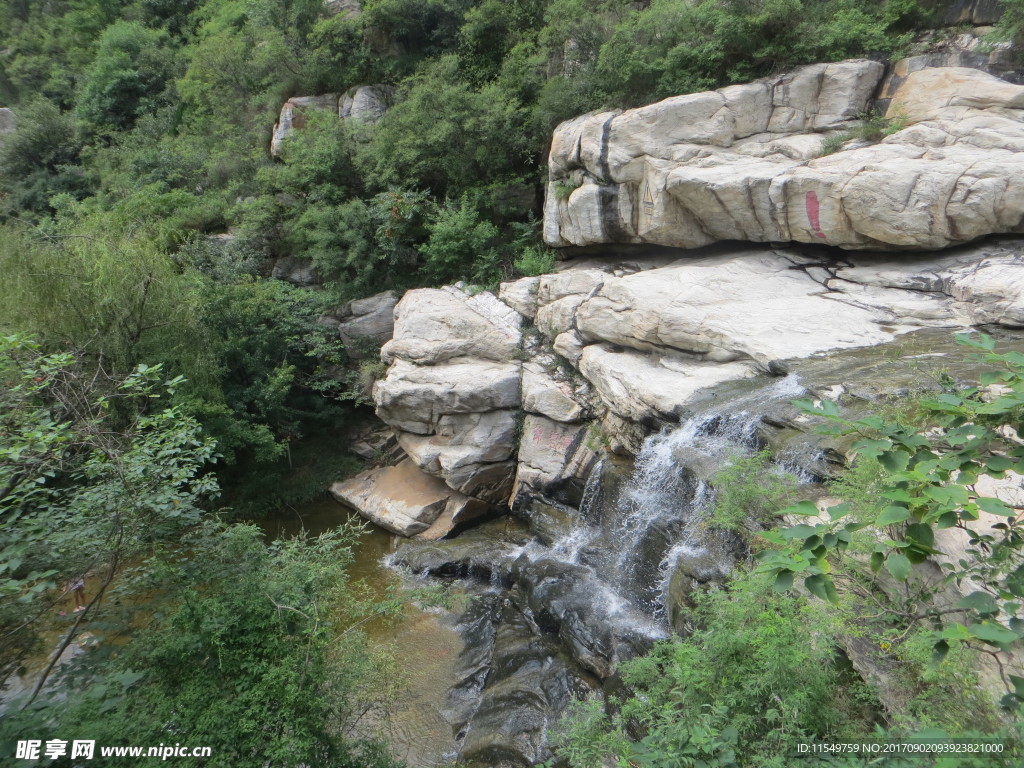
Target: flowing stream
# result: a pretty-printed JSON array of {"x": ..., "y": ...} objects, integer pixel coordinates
[{"x": 632, "y": 537}]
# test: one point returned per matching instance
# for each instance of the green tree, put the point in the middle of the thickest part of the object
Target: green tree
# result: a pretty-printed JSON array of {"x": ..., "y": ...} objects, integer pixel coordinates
[
  {"x": 242, "y": 655},
  {"x": 113, "y": 296},
  {"x": 132, "y": 67},
  {"x": 92, "y": 472},
  {"x": 39, "y": 161},
  {"x": 446, "y": 136},
  {"x": 239, "y": 649},
  {"x": 461, "y": 245}
]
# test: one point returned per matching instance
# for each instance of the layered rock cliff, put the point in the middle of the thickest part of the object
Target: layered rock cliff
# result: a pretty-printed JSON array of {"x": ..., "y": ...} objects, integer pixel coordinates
[
  {"x": 551, "y": 398},
  {"x": 511, "y": 399},
  {"x": 750, "y": 162}
]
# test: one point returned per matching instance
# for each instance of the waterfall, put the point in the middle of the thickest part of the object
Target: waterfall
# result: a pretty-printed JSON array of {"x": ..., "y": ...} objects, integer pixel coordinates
[
  {"x": 632, "y": 540},
  {"x": 553, "y": 619}
]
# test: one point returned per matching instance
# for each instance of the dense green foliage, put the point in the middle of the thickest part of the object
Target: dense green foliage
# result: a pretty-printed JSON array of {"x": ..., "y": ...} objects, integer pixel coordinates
[
  {"x": 748, "y": 492},
  {"x": 233, "y": 643},
  {"x": 933, "y": 479},
  {"x": 76, "y": 493}
]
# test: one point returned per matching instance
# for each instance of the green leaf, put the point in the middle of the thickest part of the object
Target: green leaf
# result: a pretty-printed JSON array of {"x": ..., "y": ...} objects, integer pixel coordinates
[
  {"x": 816, "y": 586},
  {"x": 1018, "y": 684},
  {"x": 830, "y": 591},
  {"x": 798, "y": 532},
  {"x": 939, "y": 651},
  {"x": 803, "y": 508},
  {"x": 897, "y": 494},
  {"x": 999, "y": 464},
  {"x": 871, "y": 448},
  {"x": 921, "y": 534},
  {"x": 774, "y": 537},
  {"x": 993, "y": 633},
  {"x": 982, "y": 602},
  {"x": 839, "y": 511},
  {"x": 980, "y": 341},
  {"x": 891, "y": 515},
  {"x": 894, "y": 461},
  {"x": 954, "y": 495},
  {"x": 828, "y": 408},
  {"x": 783, "y": 582},
  {"x": 956, "y": 632},
  {"x": 877, "y": 559},
  {"x": 994, "y": 507},
  {"x": 1015, "y": 582},
  {"x": 898, "y": 565}
]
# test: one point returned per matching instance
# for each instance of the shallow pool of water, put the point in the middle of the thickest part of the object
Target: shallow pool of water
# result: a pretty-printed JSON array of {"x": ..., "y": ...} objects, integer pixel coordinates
[{"x": 424, "y": 643}]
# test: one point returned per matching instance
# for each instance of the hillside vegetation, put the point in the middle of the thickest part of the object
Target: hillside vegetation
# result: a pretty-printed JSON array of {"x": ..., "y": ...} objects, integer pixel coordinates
[{"x": 158, "y": 385}]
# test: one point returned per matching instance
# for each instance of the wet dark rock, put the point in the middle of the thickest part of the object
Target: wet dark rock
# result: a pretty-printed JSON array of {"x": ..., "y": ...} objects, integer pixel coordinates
[
  {"x": 529, "y": 684},
  {"x": 484, "y": 553},
  {"x": 566, "y": 600},
  {"x": 548, "y": 519},
  {"x": 478, "y": 627}
]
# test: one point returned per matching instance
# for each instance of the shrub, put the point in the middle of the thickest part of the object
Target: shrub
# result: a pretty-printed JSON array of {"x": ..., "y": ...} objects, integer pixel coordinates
[
  {"x": 535, "y": 260},
  {"x": 748, "y": 492}
]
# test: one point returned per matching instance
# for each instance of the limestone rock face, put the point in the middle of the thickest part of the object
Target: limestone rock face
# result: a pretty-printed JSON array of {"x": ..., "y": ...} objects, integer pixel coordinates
[
  {"x": 551, "y": 453},
  {"x": 453, "y": 389},
  {"x": 640, "y": 387},
  {"x": 465, "y": 449},
  {"x": 651, "y": 343},
  {"x": 415, "y": 398},
  {"x": 8, "y": 122},
  {"x": 350, "y": 8},
  {"x": 973, "y": 12},
  {"x": 744, "y": 163},
  {"x": 294, "y": 115},
  {"x": 406, "y": 501},
  {"x": 363, "y": 104},
  {"x": 368, "y": 321},
  {"x": 366, "y": 103},
  {"x": 521, "y": 295},
  {"x": 963, "y": 50},
  {"x": 621, "y": 349},
  {"x": 436, "y": 325},
  {"x": 546, "y": 395}
]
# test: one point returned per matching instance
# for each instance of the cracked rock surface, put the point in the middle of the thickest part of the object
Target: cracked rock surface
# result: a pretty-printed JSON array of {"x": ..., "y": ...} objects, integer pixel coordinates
[
  {"x": 746, "y": 163},
  {"x": 651, "y": 341}
]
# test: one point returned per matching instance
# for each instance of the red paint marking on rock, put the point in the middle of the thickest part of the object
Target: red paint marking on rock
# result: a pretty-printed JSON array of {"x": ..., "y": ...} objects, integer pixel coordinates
[{"x": 812, "y": 206}]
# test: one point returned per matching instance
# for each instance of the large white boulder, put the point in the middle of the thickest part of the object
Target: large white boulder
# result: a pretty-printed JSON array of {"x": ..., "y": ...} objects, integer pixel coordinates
[
  {"x": 404, "y": 500},
  {"x": 362, "y": 105},
  {"x": 746, "y": 163},
  {"x": 415, "y": 398},
  {"x": 434, "y": 325},
  {"x": 453, "y": 390}
]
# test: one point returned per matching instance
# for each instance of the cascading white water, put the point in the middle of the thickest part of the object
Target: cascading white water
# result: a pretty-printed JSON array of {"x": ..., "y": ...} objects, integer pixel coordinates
[{"x": 655, "y": 519}]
